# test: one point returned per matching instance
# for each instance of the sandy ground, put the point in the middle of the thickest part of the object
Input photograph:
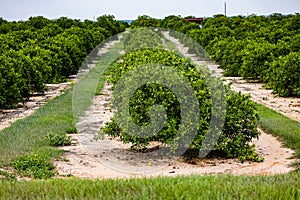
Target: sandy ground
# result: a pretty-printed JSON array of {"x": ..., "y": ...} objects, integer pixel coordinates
[{"x": 109, "y": 158}]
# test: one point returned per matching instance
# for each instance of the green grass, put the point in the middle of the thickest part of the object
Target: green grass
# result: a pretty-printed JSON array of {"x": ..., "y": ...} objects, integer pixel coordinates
[
  {"x": 29, "y": 134},
  {"x": 190, "y": 187},
  {"x": 285, "y": 128}
]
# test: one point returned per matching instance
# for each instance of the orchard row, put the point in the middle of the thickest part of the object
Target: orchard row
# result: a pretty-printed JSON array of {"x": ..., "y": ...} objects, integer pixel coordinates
[
  {"x": 40, "y": 51},
  {"x": 264, "y": 48}
]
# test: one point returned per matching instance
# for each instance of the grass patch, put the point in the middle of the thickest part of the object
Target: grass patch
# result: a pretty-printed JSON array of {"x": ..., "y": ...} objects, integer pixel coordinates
[
  {"x": 35, "y": 166},
  {"x": 29, "y": 134},
  {"x": 58, "y": 140},
  {"x": 91, "y": 83},
  {"x": 281, "y": 126},
  {"x": 7, "y": 176},
  {"x": 181, "y": 187}
]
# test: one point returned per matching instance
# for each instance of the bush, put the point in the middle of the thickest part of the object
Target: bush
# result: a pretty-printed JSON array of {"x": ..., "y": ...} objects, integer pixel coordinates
[
  {"x": 14, "y": 87},
  {"x": 145, "y": 21},
  {"x": 284, "y": 75},
  {"x": 228, "y": 53},
  {"x": 256, "y": 59},
  {"x": 58, "y": 140},
  {"x": 239, "y": 128},
  {"x": 34, "y": 166},
  {"x": 141, "y": 38},
  {"x": 241, "y": 117}
]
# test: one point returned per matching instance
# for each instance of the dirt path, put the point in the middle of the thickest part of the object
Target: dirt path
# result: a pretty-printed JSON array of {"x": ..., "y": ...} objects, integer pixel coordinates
[{"x": 287, "y": 106}]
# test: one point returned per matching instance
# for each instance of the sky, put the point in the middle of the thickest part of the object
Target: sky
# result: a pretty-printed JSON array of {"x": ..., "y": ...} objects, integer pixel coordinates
[{"x": 131, "y": 9}]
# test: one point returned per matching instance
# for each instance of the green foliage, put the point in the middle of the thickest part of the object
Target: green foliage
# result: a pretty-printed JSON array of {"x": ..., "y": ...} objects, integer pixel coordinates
[
  {"x": 34, "y": 166},
  {"x": 56, "y": 140},
  {"x": 256, "y": 59},
  {"x": 246, "y": 46},
  {"x": 284, "y": 75},
  {"x": 109, "y": 23},
  {"x": 179, "y": 24},
  {"x": 111, "y": 128},
  {"x": 228, "y": 53},
  {"x": 37, "y": 22},
  {"x": 72, "y": 130},
  {"x": 141, "y": 38},
  {"x": 239, "y": 128},
  {"x": 241, "y": 117},
  {"x": 40, "y": 51},
  {"x": 66, "y": 23},
  {"x": 145, "y": 21},
  {"x": 13, "y": 86}
]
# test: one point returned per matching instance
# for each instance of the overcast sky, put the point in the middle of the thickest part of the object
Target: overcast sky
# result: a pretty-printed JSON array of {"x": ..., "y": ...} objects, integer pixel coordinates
[{"x": 131, "y": 9}]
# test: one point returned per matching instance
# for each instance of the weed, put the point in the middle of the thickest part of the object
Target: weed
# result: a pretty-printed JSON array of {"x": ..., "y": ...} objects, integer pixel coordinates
[
  {"x": 56, "y": 140},
  {"x": 35, "y": 166}
]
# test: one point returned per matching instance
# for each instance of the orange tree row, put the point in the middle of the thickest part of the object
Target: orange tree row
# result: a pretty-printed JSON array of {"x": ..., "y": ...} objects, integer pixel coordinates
[
  {"x": 265, "y": 48},
  {"x": 40, "y": 51}
]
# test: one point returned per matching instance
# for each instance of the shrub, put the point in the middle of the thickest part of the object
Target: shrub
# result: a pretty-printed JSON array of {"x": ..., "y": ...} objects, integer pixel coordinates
[
  {"x": 34, "y": 166},
  {"x": 71, "y": 130},
  {"x": 141, "y": 38},
  {"x": 284, "y": 75},
  {"x": 239, "y": 128},
  {"x": 256, "y": 59},
  {"x": 58, "y": 140},
  {"x": 241, "y": 117}
]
